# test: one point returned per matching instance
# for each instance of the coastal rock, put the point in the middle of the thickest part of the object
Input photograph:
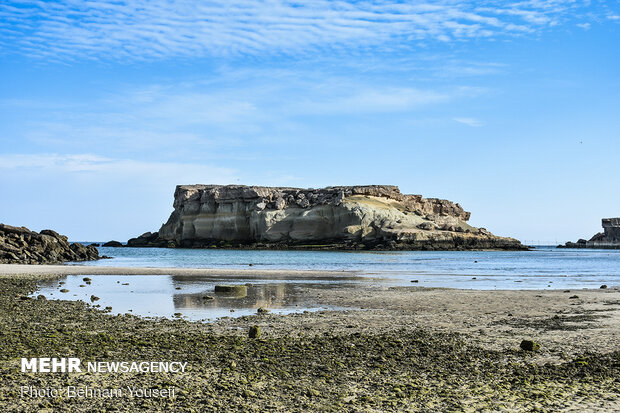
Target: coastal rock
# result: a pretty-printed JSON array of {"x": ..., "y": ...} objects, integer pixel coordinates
[
  {"x": 114, "y": 244},
  {"x": 608, "y": 239},
  {"x": 345, "y": 217},
  {"x": 19, "y": 245},
  {"x": 148, "y": 239}
]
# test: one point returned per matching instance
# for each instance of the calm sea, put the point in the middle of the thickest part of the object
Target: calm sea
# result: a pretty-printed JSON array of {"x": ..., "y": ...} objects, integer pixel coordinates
[{"x": 541, "y": 268}]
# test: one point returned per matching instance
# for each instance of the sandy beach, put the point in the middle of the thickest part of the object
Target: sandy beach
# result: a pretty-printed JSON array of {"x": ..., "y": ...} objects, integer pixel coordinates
[
  {"x": 58, "y": 270},
  {"x": 576, "y": 368}
]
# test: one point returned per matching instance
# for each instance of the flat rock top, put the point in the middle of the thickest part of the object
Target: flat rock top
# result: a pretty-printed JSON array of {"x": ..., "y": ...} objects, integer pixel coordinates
[{"x": 245, "y": 192}]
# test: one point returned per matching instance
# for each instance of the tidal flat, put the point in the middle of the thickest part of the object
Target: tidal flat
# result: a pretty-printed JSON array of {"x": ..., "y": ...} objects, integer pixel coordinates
[{"x": 405, "y": 349}]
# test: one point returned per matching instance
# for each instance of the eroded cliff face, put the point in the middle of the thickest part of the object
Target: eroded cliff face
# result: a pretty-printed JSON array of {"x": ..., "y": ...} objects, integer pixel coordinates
[{"x": 351, "y": 217}]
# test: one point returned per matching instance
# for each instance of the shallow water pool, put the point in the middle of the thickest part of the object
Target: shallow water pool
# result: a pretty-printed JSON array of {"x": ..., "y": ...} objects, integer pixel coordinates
[{"x": 191, "y": 297}]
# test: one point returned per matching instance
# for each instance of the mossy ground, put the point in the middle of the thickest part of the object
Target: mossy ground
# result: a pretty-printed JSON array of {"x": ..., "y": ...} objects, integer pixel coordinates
[{"x": 406, "y": 370}]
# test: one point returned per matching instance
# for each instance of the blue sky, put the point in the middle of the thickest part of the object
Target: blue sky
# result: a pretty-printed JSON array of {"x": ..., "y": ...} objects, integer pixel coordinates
[{"x": 511, "y": 108}]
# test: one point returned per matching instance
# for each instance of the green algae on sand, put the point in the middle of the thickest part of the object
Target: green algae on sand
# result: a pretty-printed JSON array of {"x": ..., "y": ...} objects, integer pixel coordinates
[{"x": 409, "y": 369}]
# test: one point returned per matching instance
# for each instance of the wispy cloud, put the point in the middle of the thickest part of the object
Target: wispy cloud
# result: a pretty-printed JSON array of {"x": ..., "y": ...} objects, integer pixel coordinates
[
  {"x": 156, "y": 29},
  {"x": 50, "y": 167},
  {"x": 473, "y": 122},
  {"x": 194, "y": 120}
]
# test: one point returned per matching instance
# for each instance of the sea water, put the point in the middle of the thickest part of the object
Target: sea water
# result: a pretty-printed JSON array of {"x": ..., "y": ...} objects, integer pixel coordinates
[
  {"x": 542, "y": 267},
  {"x": 545, "y": 268}
]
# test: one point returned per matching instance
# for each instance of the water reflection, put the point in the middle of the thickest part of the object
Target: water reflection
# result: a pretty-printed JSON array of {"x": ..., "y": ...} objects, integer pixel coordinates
[
  {"x": 270, "y": 296},
  {"x": 188, "y": 296}
]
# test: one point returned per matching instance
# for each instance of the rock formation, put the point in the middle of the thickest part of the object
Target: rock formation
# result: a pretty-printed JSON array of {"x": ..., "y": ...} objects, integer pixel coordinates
[
  {"x": 347, "y": 217},
  {"x": 608, "y": 239},
  {"x": 19, "y": 245}
]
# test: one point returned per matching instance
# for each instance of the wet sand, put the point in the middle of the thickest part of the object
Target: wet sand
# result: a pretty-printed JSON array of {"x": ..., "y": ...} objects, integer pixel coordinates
[
  {"x": 398, "y": 349},
  {"x": 57, "y": 270}
]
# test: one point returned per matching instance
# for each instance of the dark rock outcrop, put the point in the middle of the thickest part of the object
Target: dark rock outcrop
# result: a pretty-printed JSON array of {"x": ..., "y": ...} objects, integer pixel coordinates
[
  {"x": 148, "y": 239},
  {"x": 113, "y": 244},
  {"x": 347, "y": 217},
  {"x": 608, "y": 239},
  {"x": 19, "y": 245}
]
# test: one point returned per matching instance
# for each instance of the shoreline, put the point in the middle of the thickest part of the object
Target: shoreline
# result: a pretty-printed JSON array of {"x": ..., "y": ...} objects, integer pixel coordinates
[
  {"x": 283, "y": 274},
  {"x": 59, "y": 270},
  {"x": 402, "y": 348},
  {"x": 449, "y": 308}
]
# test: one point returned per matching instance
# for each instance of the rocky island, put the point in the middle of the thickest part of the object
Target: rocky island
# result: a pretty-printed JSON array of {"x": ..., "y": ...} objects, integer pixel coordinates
[
  {"x": 19, "y": 245},
  {"x": 608, "y": 239},
  {"x": 342, "y": 217}
]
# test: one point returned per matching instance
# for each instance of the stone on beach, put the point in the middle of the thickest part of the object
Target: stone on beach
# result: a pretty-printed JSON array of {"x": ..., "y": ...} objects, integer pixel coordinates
[
  {"x": 254, "y": 332},
  {"x": 529, "y": 345}
]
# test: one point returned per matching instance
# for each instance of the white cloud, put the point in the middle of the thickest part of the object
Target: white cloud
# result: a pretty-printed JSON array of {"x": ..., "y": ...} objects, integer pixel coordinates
[
  {"x": 107, "y": 169},
  {"x": 154, "y": 29},
  {"x": 201, "y": 120},
  {"x": 371, "y": 100},
  {"x": 585, "y": 26},
  {"x": 474, "y": 123}
]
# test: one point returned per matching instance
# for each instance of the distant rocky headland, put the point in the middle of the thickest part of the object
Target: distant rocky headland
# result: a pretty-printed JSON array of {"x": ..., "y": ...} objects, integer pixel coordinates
[
  {"x": 376, "y": 217},
  {"x": 19, "y": 245},
  {"x": 608, "y": 239}
]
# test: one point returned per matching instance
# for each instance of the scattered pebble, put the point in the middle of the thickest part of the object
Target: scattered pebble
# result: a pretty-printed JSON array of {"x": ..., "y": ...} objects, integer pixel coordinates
[
  {"x": 573, "y": 296},
  {"x": 254, "y": 332},
  {"x": 604, "y": 286},
  {"x": 64, "y": 290},
  {"x": 529, "y": 345},
  {"x": 94, "y": 298}
]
